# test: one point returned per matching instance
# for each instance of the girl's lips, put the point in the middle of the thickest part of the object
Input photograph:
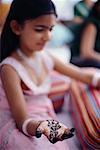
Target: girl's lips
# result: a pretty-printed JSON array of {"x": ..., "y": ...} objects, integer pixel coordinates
[{"x": 41, "y": 44}]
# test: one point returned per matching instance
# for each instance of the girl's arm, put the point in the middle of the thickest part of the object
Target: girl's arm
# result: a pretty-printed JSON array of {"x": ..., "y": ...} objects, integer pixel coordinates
[
  {"x": 75, "y": 72},
  {"x": 88, "y": 43},
  {"x": 14, "y": 93}
]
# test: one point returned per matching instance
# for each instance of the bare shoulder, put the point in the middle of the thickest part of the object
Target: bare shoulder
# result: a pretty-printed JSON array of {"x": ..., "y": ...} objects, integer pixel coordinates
[
  {"x": 8, "y": 73},
  {"x": 90, "y": 28},
  {"x": 89, "y": 33}
]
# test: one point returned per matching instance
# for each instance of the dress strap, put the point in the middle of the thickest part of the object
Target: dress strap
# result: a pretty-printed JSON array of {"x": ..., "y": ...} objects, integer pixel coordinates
[{"x": 19, "y": 68}]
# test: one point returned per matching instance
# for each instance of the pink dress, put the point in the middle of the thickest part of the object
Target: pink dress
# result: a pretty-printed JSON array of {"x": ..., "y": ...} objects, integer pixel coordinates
[{"x": 39, "y": 107}]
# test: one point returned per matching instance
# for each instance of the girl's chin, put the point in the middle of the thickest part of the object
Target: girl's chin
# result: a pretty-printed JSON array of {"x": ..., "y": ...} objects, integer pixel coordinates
[{"x": 40, "y": 48}]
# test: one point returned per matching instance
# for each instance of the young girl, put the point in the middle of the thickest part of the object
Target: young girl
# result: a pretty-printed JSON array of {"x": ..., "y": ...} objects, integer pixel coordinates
[{"x": 27, "y": 118}]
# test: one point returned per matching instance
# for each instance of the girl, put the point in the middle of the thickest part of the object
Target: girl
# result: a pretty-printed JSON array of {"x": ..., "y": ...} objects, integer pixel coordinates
[{"x": 26, "y": 112}]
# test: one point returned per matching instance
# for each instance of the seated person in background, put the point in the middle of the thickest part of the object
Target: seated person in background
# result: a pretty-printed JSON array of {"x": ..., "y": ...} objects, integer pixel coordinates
[
  {"x": 26, "y": 112},
  {"x": 81, "y": 12},
  {"x": 89, "y": 52}
]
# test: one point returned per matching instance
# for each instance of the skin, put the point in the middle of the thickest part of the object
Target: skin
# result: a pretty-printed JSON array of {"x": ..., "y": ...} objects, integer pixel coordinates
[
  {"x": 88, "y": 42},
  {"x": 33, "y": 36}
]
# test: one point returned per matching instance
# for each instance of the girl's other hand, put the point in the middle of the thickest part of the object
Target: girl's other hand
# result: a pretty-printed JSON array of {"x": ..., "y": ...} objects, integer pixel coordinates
[{"x": 96, "y": 79}]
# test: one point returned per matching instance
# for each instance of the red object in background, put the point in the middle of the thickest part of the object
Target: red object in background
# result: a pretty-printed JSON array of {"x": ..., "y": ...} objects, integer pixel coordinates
[{"x": 60, "y": 85}]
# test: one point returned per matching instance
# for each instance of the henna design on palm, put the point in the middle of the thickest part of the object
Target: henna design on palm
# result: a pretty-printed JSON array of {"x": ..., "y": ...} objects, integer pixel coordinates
[{"x": 54, "y": 126}]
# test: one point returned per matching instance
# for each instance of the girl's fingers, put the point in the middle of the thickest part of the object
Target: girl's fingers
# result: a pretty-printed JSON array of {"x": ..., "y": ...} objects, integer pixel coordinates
[
  {"x": 68, "y": 133},
  {"x": 66, "y": 136},
  {"x": 42, "y": 129},
  {"x": 38, "y": 133},
  {"x": 72, "y": 130}
]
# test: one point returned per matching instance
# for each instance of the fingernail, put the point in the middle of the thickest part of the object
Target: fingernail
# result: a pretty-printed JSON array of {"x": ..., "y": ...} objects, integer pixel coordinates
[
  {"x": 38, "y": 134},
  {"x": 66, "y": 136},
  {"x": 72, "y": 129},
  {"x": 54, "y": 141}
]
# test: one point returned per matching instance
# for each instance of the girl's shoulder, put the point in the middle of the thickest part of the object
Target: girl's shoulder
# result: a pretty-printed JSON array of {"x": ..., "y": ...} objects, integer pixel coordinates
[
  {"x": 13, "y": 64},
  {"x": 19, "y": 69},
  {"x": 93, "y": 21},
  {"x": 8, "y": 73},
  {"x": 11, "y": 61}
]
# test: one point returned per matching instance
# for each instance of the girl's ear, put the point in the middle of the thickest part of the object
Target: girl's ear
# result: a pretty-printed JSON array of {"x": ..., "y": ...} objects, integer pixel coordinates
[{"x": 16, "y": 28}]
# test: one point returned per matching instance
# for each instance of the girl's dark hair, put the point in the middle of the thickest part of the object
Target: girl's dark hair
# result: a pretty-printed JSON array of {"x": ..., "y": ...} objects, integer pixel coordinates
[{"x": 20, "y": 11}]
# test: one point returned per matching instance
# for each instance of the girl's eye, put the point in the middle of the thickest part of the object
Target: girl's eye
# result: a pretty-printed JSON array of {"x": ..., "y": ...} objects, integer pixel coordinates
[
  {"x": 39, "y": 29},
  {"x": 51, "y": 29}
]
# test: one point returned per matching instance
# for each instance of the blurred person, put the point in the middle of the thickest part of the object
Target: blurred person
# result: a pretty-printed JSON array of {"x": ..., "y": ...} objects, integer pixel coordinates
[
  {"x": 81, "y": 12},
  {"x": 89, "y": 50}
]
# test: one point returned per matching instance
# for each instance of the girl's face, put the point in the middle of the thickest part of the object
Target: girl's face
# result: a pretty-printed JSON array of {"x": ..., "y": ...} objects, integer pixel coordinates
[{"x": 35, "y": 33}]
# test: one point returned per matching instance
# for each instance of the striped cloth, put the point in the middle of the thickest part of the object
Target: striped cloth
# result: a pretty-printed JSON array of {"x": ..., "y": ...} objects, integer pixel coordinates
[{"x": 85, "y": 105}]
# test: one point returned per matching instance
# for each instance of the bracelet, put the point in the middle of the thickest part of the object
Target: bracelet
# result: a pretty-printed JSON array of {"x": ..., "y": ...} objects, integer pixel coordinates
[
  {"x": 95, "y": 79},
  {"x": 24, "y": 126}
]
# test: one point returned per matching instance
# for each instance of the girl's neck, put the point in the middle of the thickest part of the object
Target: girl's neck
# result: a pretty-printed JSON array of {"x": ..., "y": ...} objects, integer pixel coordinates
[
  {"x": 27, "y": 53},
  {"x": 32, "y": 61}
]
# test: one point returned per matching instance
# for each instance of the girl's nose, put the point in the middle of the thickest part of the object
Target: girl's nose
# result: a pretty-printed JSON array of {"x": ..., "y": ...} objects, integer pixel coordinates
[{"x": 47, "y": 35}]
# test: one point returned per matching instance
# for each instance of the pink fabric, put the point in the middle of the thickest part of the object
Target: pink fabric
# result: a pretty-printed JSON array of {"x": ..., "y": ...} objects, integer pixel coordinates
[{"x": 39, "y": 107}]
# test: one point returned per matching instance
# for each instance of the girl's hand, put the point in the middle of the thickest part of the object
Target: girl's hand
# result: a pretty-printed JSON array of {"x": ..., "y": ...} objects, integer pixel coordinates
[
  {"x": 54, "y": 131},
  {"x": 96, "y": 80}
]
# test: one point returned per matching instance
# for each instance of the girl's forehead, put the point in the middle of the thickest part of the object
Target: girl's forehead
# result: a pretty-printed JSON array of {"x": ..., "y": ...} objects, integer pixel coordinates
[{"x": 45, "y": 19}]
